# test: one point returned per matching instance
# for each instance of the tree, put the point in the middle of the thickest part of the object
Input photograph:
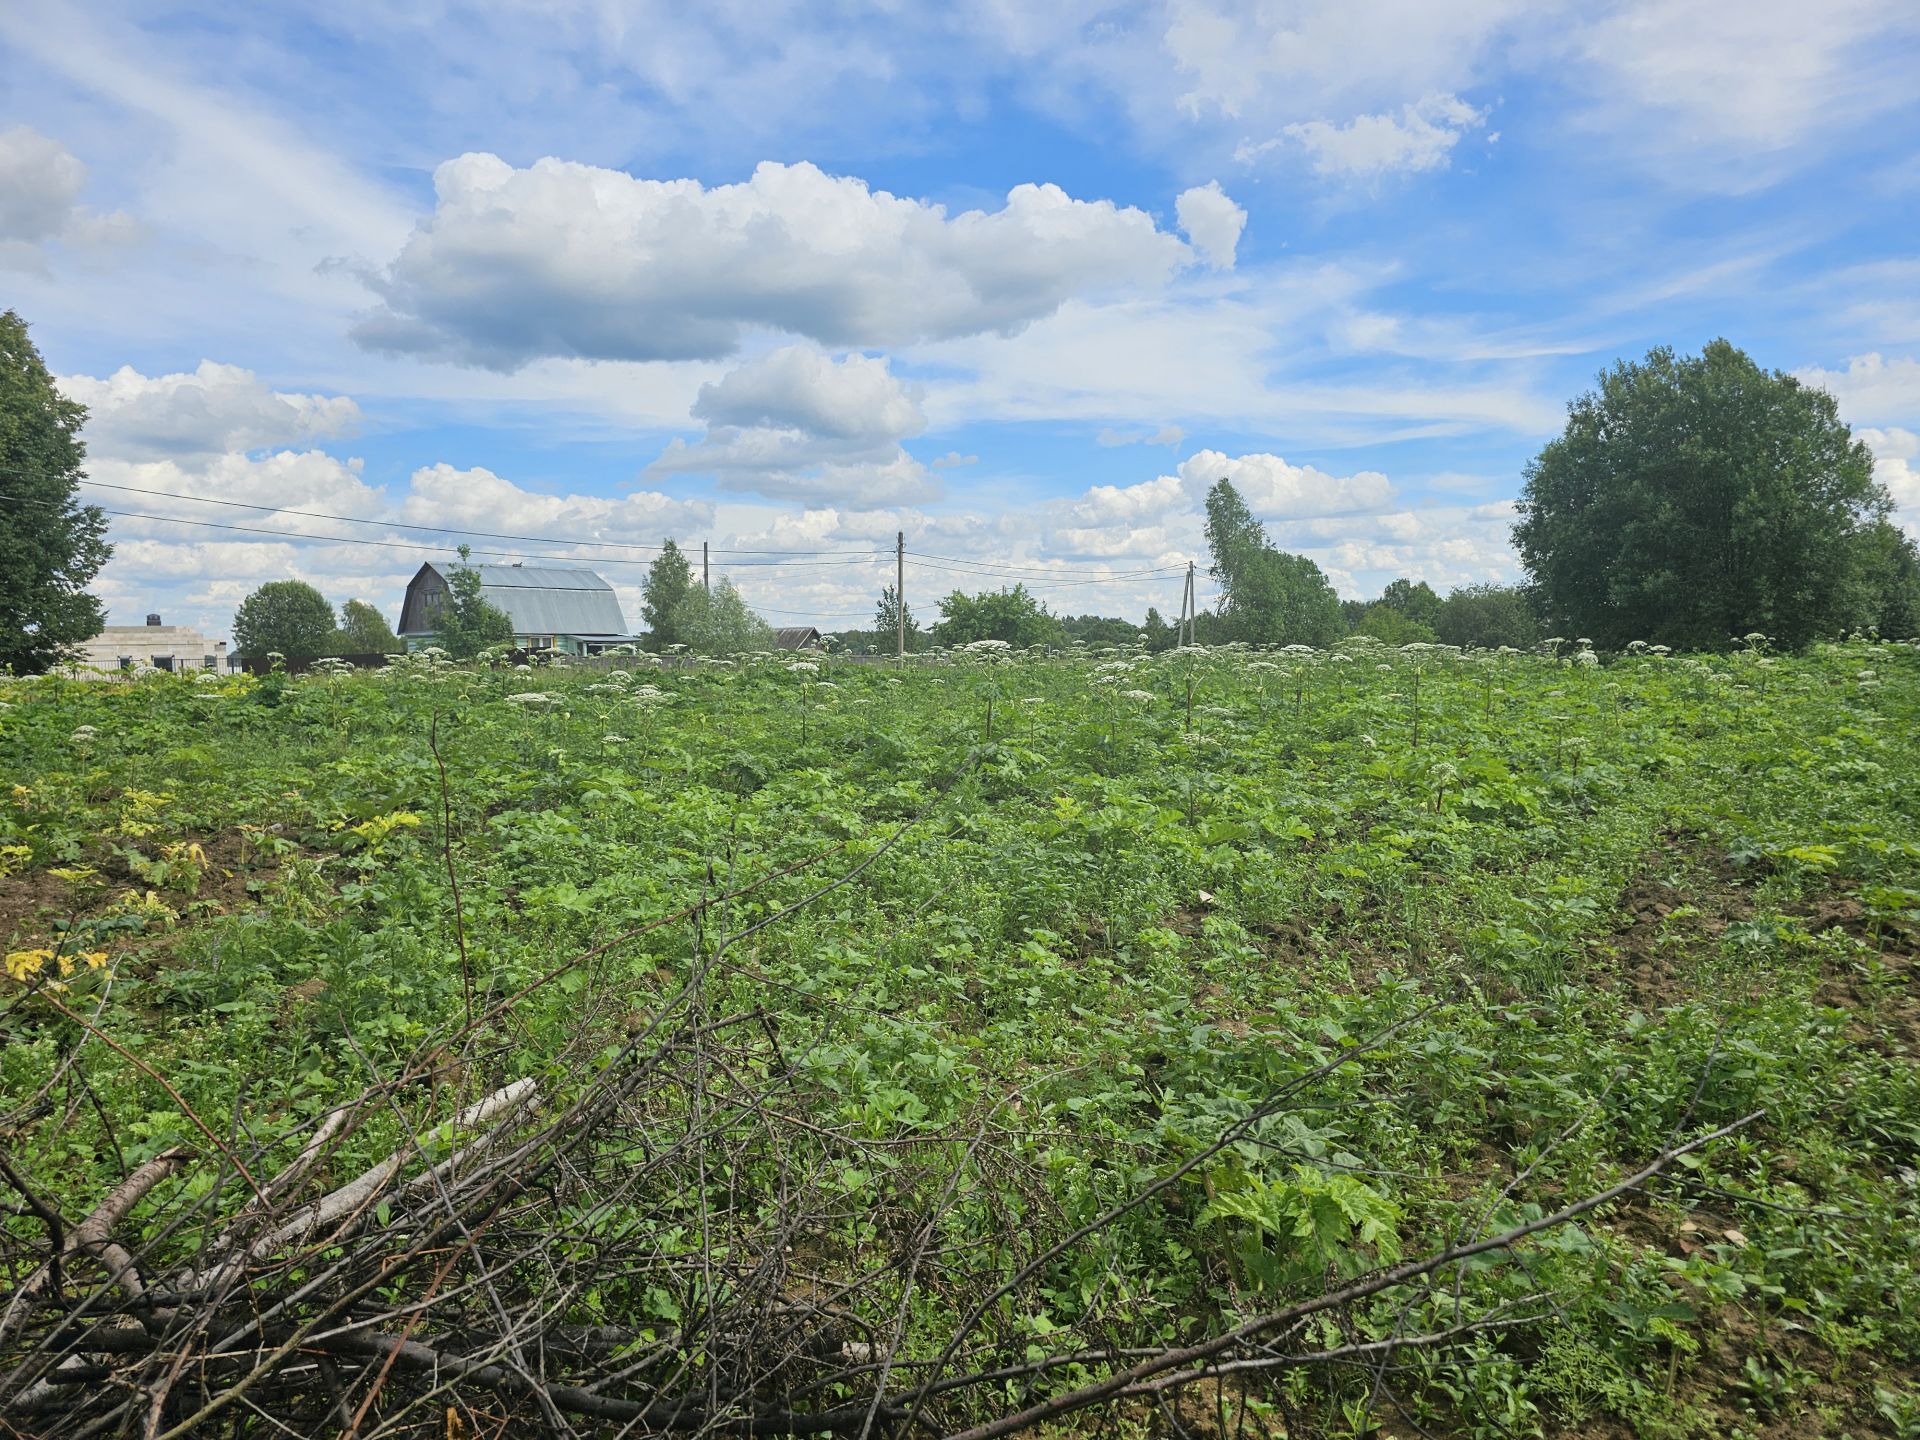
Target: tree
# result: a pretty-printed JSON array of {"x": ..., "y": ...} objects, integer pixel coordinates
[
  {"x": 1098, "y": 630},
  {"x": 1160, "y": 634},
  {"x": 718, "y": 622},
  {"x": 1269, "y": 597},
  {"x": 50, "y": 545},
  {"x": 1487, "y": 617},
  {"x": 1010, "y": 615},
  {"x": 1388, "y": 623},
  {"x": 466, "y": 622},
  {"x": 1415, "y": 602},
  {"x": 1887, "y": 583},
  {"x": 1693, "y": 500},
  {"x": 886, "y": 621},
  {"x": 286, "y": 617},
  {"x": 669, "y": 581},
  {"x": 363, "y": 631}
]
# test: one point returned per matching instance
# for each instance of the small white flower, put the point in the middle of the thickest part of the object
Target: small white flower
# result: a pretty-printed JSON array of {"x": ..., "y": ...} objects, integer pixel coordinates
[
  {"x": 613, "y": 739},
  {"x": 1138, "y": 694}
]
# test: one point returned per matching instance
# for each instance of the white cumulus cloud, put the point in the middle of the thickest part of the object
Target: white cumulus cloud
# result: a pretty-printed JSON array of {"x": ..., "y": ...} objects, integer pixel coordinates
[
  {"x": 1212, "y": 223},
  {"x": 799, "y": 388},
  {"x": 41, "y": 181},
  {"x": 210, "y": 410},
  {"x": 1420, "y": 137},
  {"x": 797, "y": 424},
  {"x": 1276, "y": 490},
  {"x": 563, "y": 259},
  {"x": 1896, "y": 465},
  {"x": 479, "y": 499},
  {"x": 1874, "y": 389}
]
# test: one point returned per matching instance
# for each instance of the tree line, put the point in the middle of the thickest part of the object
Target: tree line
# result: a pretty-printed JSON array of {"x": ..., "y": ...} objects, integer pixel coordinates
[{"x": 1689, "y": 501}]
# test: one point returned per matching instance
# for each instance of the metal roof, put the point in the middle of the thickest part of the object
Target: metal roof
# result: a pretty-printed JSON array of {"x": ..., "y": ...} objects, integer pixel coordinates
[
  {"x": 796, "y": 637},
  {"x": 551, "y": 599}
]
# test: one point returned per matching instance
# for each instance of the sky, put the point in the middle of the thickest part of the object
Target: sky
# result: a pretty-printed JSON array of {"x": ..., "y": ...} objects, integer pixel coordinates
[{"x": 568, "y": 277}]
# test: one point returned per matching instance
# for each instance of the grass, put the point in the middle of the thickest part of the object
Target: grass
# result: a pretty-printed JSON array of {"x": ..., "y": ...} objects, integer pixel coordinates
[{"x": 1129, "y": 898}]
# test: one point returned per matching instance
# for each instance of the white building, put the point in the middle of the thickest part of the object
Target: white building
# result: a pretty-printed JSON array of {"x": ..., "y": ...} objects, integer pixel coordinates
[{"x": 152, "y": 646}]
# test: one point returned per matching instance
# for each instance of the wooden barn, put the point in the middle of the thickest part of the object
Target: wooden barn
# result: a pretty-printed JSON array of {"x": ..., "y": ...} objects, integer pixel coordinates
[
  {"x": 560, "y": 609},
  {"x": 797, "y": 637}
]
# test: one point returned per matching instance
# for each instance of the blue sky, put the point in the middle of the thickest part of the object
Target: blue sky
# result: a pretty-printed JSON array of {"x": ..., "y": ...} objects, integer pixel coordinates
[{"x": 790, "y": 277}]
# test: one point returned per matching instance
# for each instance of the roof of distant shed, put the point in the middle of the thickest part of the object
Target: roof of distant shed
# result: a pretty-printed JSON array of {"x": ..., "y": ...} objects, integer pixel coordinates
[
  {"x": 796, "y": 637},
  {"x": 549, "y": 599}
]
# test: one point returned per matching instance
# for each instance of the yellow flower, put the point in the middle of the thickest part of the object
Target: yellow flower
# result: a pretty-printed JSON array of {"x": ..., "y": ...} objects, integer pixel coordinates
[
  {"x": 28, "y": 966},
  {"x": 23, "y": 965}
]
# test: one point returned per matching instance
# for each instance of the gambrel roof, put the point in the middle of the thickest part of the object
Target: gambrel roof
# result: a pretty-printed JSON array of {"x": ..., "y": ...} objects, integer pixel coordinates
[{"x": 540, "y": 599}]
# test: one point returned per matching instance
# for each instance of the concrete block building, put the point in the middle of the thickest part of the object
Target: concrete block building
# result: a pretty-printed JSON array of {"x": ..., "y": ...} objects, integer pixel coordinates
[{"x": 152, "y": 646}]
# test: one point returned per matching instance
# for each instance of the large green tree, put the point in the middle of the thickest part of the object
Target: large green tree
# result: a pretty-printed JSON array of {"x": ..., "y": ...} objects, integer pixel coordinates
[
  {"x": 364, "y": 631},
  {"x": 1694, "y": 499},
  {"x": 1268, "y": 597},
  {"x": 1415, "y": 601},
  {"x": 1010, "y": 615},
  {"x": 718, "y": 622},
  {"x": 669, "y": 581},
  {"x": 1393, "y": 625},
  {"x": 50, "y": 544},
  {"x": 1487, "y": 617},
  {"x": 285, "y": 617}
]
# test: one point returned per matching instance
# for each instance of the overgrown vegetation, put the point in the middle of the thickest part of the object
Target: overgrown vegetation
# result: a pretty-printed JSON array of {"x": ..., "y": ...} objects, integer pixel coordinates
[{"x": 1436, "y": 943}]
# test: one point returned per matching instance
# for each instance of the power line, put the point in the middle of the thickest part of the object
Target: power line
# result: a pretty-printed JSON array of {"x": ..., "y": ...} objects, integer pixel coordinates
[
  {"x": 780, "y": 560},
  {"x": 1037, "y": 570},
  {"x": 1057, "y": 584},
  {"x": 417, "y": 547},
  {"x": 436, "y": 529}
]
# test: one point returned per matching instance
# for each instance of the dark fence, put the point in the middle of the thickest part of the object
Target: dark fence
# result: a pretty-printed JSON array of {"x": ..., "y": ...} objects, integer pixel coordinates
[{"x": 300, "y": 664}]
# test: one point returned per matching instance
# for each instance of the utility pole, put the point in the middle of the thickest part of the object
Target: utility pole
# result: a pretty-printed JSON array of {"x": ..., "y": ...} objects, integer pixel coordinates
[
  {"x": 900, "y": 595},
  {"x": 706, "y": 574},
  {"x": 1187, "y": 605}
]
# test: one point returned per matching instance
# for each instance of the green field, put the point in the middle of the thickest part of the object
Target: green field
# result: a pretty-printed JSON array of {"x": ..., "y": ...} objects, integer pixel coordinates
[{"x": 930, "y": 969}]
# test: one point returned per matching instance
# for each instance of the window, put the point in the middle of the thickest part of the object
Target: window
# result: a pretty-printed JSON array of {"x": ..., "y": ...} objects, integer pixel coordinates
[
  {"x": 163, "y": 662},
  {"x": 208, "y": 662},
  {"x": 126, "y": 662}
]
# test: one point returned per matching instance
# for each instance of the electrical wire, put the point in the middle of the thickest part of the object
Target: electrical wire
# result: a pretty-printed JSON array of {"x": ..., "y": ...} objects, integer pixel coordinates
[
  {"x": 434, "y": 529},
  {"x": 1057, "y": 584},
  {"x": 782, "y": 560},
  {"x": 1037, "y": 570},
  {"x": 418, "y": 547}
]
